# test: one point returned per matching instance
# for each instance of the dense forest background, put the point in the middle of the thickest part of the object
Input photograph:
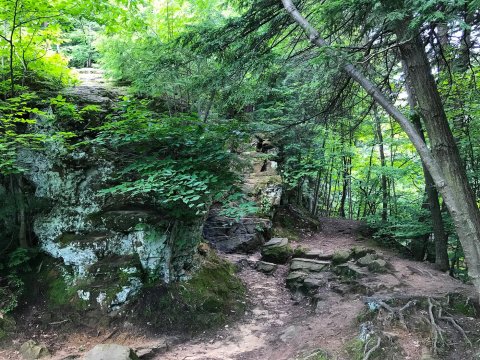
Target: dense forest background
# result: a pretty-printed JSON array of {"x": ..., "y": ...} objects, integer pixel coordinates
[{"x": 202, "y": 78}]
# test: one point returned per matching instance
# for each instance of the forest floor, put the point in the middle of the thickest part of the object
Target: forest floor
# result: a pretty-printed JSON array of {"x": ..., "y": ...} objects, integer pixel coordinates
[{"x": 276, "y": 326}]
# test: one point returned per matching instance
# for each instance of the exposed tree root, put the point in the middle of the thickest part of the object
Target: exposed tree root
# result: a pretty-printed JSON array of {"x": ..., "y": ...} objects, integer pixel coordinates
[
  {"x": 396, "y": 312},
  {"x": 436, "y": 330},
  {"x": 435, "y": 314},
  {"x": 372, "y": 350}
]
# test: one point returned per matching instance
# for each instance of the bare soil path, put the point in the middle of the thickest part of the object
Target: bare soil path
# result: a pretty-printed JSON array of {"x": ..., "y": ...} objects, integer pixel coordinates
[{"x": 278, "y": 327}]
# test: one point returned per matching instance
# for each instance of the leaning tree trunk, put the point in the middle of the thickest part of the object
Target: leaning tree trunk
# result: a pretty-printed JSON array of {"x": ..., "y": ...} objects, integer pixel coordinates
[
  {"x": 443, "y": 163},
  {"x": 439, "y": 233},
  {"x": 444, "y": 147}
]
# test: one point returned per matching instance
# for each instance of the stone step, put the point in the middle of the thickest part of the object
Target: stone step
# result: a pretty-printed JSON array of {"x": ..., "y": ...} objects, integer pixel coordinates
[
  {"x": 315, "y": 254},
  {"x": 308, "y": 265}
]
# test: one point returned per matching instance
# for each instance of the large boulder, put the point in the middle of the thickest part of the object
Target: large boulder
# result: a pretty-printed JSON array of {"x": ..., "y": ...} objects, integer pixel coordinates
[
  {"x": 106, "y": 245},
  {"x": 246, "y": 235},
  {"x": 277, "y": 250},
  {"x": 110, "y": 352}
]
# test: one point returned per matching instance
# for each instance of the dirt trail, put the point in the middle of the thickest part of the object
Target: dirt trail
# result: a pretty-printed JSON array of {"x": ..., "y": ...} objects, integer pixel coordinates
[{"x": 278, "y": 327}]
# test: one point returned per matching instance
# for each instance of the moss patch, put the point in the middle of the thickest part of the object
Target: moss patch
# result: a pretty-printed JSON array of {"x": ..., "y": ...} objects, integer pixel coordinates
[
  {"x": 59, "y": 294},
  {"x": 277, "y": 254},
  {"x": 284, "y": 232},
  {"x": 208, "y": 300},
  {"x": 299, "y": 251},
  {"x": 462, "y": 305},
  {"x": 7, "y": 326},
  {"x": 290, "y": 222},
  {"x": 354, "y": 349},
  {"x": 317, "y": 354}
]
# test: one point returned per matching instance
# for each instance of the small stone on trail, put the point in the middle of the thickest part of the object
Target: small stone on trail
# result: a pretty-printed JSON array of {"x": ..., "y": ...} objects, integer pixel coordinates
[
  {"x": 350, "y": 270},
  {"x": 366, "y": 260},
  {"x": 31, "y": 350},
  {"x": 150, "y": 352},
  {"x": 341, "y": 256},
  {"x": 110, "y": 352},
  {"x": 288, "y": 334},
  {"x": 378, "y": 265},
  {"x": 277, "y": 251},
  {"x": 266, "y": 267}
]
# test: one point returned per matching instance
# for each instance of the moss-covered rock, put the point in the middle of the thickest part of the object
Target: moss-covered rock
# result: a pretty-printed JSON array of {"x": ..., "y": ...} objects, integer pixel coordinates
[
  {"x": 378, "y": 266},
  {"x": 266, "y": 267},
  {"x": 212, "y": 297},
  {"x": 341, "y": 256},
  {"x": 31, "y": 350},
  {"x": 300, "y": 252},
  {"x": 277, "y": 251},
  {"x": 7, "y": 326}
]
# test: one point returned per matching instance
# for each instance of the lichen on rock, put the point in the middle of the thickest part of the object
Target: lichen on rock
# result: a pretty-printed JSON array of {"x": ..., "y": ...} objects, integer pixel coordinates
[{"x": 85, "y": 228}]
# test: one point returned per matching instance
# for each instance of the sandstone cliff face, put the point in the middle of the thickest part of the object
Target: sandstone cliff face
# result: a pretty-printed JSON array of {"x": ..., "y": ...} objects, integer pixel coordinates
[
  {"x": 108, "y": 246},
  {"x": 262, "y": 185}
]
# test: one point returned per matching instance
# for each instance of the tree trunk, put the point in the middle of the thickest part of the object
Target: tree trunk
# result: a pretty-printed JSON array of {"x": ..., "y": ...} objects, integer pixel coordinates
[
  {"x": 443, "y": 163},
  {"x": 444, "y": 149},
  {"x": 316, "y": 193},
  {"x": 341, "y": 209},
  {"x": 378, "y": 126},
  {"x": 439, "y": 234}
]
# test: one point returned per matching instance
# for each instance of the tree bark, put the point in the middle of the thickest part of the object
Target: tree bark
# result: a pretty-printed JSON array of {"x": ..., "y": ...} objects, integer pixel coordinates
[
  {"x": 343, "y": 198},
  {"x": 381, "y": 149},
  {"x": 316, "y": 193},
  {"x": 444, "y": 147},
  {"x": 439, "y": 234},
  {"x": 443, "y": 163}
]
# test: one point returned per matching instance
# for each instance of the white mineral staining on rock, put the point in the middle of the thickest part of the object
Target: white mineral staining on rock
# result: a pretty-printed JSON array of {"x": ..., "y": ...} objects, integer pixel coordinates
[
  {"x": 101, "y": 299},
  {"x": 84, "y": 295}
]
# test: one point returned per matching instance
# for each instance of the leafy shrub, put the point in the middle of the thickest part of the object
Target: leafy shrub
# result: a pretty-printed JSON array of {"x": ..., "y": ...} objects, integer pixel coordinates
[
  {"x": 12, "y": 267},
  {"x": 178, "y": 162}
]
